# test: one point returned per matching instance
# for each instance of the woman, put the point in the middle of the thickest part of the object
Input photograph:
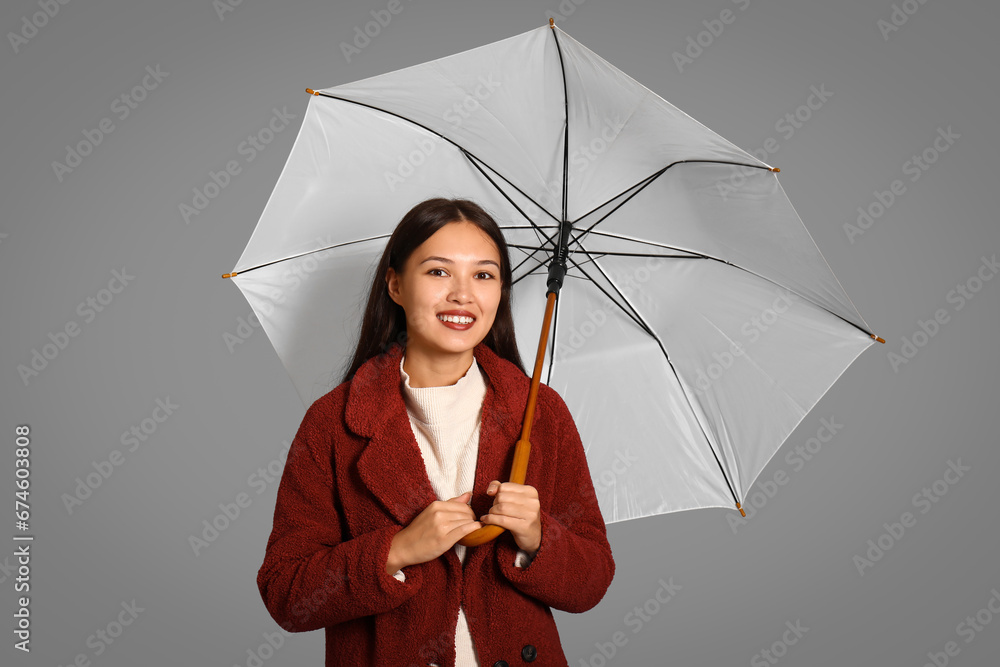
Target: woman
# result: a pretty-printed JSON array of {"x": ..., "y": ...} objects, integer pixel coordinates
[{"x": 405, "y": 457}]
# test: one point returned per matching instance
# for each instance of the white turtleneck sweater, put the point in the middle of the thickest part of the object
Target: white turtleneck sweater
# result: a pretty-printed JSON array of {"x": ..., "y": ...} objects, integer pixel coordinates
[{"x": 445, "y": 422}]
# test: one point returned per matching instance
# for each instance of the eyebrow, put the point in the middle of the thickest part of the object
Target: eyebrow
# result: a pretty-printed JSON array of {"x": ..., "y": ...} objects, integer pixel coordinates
[{"x": 445, "y": 260}]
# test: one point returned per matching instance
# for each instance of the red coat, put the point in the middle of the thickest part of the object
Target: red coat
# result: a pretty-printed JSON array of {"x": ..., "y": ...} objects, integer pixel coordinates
[{"x": 355, "y": 477}]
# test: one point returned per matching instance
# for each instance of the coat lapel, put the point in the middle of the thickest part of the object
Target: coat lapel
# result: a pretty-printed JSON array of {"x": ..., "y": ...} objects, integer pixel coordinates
[{"x": 391, "y": 465}]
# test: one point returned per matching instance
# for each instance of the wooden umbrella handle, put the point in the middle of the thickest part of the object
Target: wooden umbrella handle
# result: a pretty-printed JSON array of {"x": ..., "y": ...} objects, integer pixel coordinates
[{"x": 519, "y": 467}]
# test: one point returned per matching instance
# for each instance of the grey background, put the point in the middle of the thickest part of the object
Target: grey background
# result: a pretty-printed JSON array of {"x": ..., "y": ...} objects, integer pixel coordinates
[{"x": 162, "y": 336}]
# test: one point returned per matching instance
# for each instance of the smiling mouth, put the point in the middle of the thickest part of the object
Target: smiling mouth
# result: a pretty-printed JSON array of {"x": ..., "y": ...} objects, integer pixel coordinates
[{"x": 456, "y": 319}]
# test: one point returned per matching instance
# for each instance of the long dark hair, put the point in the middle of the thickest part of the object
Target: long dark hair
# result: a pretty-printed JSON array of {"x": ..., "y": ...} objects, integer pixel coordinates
[{"x": 385, "y": 321}]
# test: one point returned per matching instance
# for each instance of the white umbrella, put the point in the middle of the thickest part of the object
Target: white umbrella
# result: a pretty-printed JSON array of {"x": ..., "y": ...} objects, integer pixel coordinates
[{"x": 698, "y": 322}]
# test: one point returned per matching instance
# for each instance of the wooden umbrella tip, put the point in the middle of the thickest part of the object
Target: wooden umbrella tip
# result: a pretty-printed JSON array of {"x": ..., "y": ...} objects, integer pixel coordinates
[
  {"x": 552, "y": 23},
  {"x": 311, "y": 91},
  {"x": 878, "y": 338},
  {"x": 775, "y": 169}
]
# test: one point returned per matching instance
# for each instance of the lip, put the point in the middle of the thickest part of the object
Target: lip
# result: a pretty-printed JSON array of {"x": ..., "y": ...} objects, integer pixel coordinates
[{"x": 457, "y": 313}]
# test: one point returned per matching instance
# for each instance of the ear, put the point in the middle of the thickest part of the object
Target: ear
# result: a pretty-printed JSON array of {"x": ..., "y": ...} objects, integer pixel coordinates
[{"x": 392, "y": 284}]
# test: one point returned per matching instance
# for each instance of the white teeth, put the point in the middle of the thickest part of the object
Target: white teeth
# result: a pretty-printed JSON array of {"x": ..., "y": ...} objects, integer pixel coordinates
[{"x": 460, "y": 319}]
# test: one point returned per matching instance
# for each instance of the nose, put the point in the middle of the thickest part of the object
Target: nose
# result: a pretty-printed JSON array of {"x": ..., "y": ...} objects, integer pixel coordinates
[{"x": 461, "y": 289}]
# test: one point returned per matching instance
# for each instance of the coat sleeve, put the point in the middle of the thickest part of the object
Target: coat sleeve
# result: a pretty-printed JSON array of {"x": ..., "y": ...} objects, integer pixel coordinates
[
  {"x": 522, "y": 560},
  {"x": 311, "y": 578},
  {"x": 573, "y": 566}
]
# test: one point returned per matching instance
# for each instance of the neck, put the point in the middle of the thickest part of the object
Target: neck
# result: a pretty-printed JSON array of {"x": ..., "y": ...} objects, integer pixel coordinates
[{"x": 438, "y": 370}]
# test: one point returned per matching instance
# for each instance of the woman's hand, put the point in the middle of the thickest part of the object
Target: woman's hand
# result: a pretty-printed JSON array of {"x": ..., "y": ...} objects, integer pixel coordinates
[
  {"x": 517, "y": 509},
  {"x": 432, "y": 532}
]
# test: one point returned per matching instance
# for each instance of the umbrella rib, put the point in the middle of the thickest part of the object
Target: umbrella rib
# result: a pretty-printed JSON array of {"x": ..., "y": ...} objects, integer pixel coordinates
[
  {"x": 533, "y": 272},
  {"x": 528, "y": 273},
  {"x": 634, "y": 314},
  {"x": 309, "y": 252},
  {"x": 565, "y": 183},
  {"x": 652, "y": 177},
  {"x": 699, "y": 255},
  {"x": 533, "y": 248},
  {"x": 609, "y": 252},
  {"x": 435, "y": 132},
  {"x": 692, "y": 254},
  {"x": 538, "y": 230},
  {"x": 666, "y": 357},
  {"x": 475, "y": 160},
  {"x": 639, "y": 187}
]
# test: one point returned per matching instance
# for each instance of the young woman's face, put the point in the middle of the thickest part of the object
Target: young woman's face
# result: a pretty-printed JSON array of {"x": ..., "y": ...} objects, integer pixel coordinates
[{"x": 454, "y": 273}]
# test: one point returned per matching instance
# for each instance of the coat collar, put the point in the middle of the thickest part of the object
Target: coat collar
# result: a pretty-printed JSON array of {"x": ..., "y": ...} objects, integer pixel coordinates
[{"x": 391, "y": 465}]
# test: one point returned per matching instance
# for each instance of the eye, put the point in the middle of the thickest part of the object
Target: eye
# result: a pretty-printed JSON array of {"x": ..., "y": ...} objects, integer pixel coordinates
[
  {"x": 485, "y": 273},
  {"x": 433, "y": 270}
]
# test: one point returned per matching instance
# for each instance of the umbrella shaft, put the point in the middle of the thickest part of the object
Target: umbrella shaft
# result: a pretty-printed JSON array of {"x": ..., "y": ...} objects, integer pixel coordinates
[{"x": 557, "y": 268}]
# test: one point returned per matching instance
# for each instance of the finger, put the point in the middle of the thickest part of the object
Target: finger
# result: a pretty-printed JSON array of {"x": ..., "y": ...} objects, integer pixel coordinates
[
  {"x": 462, "y": 529},
  {"x": 506, "y": 511},
  {"x": 520, "y": 491}
]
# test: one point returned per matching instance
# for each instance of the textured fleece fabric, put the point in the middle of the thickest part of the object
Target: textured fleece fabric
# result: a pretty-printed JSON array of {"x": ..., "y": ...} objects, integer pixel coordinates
[{"x": 355, "y": 477}]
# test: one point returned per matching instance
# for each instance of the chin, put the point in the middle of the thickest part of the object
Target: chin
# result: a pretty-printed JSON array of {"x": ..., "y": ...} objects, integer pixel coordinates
[{"x": 460, "y": 347}]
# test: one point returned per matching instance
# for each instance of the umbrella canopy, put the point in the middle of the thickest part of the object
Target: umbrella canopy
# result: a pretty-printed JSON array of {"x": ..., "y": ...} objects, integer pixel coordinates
[{"x": 698, "y": 322}]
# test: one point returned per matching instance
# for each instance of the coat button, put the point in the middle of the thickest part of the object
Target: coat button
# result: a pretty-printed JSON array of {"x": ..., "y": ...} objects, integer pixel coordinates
[
  {"x": 528, "y": 653},
  {"x": 500, "y": 663}
]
